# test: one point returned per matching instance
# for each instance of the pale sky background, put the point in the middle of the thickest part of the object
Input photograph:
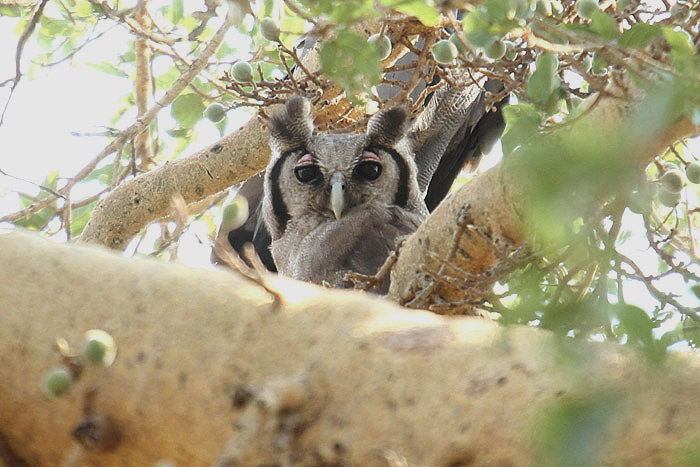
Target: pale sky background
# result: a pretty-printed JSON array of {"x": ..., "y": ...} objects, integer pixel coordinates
[{"x": 72, "y": 97}]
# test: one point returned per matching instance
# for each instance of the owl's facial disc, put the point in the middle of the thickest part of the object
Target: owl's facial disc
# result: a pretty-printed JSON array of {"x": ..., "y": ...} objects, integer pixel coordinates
[{"x": 337, "y": 194}]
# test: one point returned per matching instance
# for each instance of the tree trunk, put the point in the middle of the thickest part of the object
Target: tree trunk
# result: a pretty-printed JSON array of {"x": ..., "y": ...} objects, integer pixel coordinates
[{"x": 210, "y": 368}]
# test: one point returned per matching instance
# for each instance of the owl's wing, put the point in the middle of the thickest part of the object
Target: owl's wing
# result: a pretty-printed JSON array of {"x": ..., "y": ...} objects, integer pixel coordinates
[{"x": 452, "y": 133}]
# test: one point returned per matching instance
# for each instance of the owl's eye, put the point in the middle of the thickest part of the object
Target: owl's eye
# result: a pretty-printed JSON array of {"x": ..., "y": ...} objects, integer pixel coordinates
[
  {"x": 307, "y": 173},
  {"x": 368, "y": 170}
]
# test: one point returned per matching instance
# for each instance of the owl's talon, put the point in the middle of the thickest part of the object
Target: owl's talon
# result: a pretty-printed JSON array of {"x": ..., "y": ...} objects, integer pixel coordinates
[{"x": 363, "y": 281}]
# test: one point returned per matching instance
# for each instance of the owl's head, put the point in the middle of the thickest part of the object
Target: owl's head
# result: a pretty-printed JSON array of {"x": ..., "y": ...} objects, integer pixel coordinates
[{"x": 324, "y": 176}]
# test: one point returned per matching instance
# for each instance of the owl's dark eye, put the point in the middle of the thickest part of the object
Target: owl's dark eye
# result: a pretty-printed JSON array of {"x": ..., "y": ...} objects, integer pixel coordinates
[
  {"x": 307, "y": 173},
  {"x": 368, "y": 170}
]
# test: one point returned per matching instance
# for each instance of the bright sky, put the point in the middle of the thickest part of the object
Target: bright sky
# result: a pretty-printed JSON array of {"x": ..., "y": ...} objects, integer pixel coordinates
[{"x": 37, "y": 138}]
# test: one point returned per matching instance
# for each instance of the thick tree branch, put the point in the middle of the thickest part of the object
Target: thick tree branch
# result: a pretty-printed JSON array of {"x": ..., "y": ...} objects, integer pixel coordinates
[
  {"x": 133, "y": 205},
  {"x": 491, "y": 207},
  {"x": 329, "y": 378},
  {"x": 110, "y": 213}
]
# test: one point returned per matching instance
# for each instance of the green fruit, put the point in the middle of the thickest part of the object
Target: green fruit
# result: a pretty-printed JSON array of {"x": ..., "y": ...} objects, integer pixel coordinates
[
  {"x": 270, "y": 29},
  {"x": 382, "y": 44},
  {"x": 56, "y": 382},
  {"x": 692, "y": 172},
  {"x": 586, "y": 8},
  {"x": 460, "y": 44},
  {"x": 496, "y": 50},
  {"x": 672, "y": 181},
  {"x": 680, "y": 11},
  {"x": 640, "y": 200},
  {"x": 99, "y": 348},
  {"x": 215, "y": 112},
  {"x": 242, "y": 72},
  {"x": 235, "y": 214},
  {"x": 669, "y": 198},
  {"x": 547, "y": 62},
  {"x": 444, "y": 52}
]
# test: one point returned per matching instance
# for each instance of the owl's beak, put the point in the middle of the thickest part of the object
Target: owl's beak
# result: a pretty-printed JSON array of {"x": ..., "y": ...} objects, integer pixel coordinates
[{"x": 337, "y": 194}]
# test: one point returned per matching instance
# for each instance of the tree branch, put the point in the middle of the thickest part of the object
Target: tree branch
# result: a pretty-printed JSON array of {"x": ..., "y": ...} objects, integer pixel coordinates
[
  {"x": 110, "y": 212},
  {"x": 207, "y": 370},
  {"x": 496, "y": 202}
]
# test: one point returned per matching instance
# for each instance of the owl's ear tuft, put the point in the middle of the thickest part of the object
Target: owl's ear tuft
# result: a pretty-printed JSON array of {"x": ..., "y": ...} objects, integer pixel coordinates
[
  {"x": 291, "y": 127},
  {"x": 388, "y": 126}
]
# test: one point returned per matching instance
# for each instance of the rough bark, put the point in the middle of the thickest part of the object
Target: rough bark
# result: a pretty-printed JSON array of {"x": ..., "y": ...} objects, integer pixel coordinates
[
  {"x": 133, "y": 205},
  {"x": 208, "y": 368},
  {"x": 490, "y": 210}
]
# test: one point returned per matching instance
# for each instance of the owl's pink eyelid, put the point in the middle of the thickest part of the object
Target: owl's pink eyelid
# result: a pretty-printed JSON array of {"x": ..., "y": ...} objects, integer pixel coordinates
[
  {"x": 369, "y": 156},
  {"x": 306, "y": 158}
]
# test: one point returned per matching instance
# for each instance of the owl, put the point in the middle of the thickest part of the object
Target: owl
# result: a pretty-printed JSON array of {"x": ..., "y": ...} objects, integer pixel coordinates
[{"x": 338, "y": 203}]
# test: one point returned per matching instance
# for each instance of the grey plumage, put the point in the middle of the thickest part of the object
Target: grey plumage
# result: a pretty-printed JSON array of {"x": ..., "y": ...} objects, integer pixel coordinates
[
  {"x": 336, "y": 203},
  {"x": 453, "y": 131}
]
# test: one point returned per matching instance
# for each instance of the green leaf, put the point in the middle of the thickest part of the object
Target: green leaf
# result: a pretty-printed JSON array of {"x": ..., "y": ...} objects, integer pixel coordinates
[
  {"x": 178, "y": 11},
  {"x": 11, "y": 11},
  {"x": 166, "y": 79},
  {"x": 522, "y": 121},
  {"x": 85, "y": 9},
  {"x": 638, "y": 326},
  {"x": 268, "y": 7},
  {"x": 187, "y": 109},
  {"x": 79, "y": 217},
  {"x": 351, "y": 62},
  {"x": 180, "y": 132},
  {"x": 347, "y": 11},
  {"x": 639, "y": 36},
  {"x": 108, "y": 68},
  {"x": 542, "y": 85},
  {"x": 423, "y": 10},
  {"x": 51, "y": 182},
  {"x": 696, "y": 290},
  {"x": 679, "y": 41},
  {"x": 478, "y": 29},
  {"x": 103, "y": 175},
  {"x": 636, "y": 323},
  {"x": 604, "y": 25},
  {"x": 38, "y": 220},
  {"x": 501, "y": 11}
]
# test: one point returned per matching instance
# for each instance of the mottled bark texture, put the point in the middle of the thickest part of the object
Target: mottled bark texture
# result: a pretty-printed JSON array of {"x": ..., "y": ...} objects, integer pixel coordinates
[
  {"x": 209, "y": 370},
  {"x": 477, "y": 226}
]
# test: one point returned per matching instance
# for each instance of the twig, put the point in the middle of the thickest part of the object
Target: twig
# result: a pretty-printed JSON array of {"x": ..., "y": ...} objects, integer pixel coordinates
[
  {"x": 255, "y": 272},
  {"x": 42, "y": 187},
  {"x": 139, "y": 125},
  {"x": 18, "y": 55}
]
